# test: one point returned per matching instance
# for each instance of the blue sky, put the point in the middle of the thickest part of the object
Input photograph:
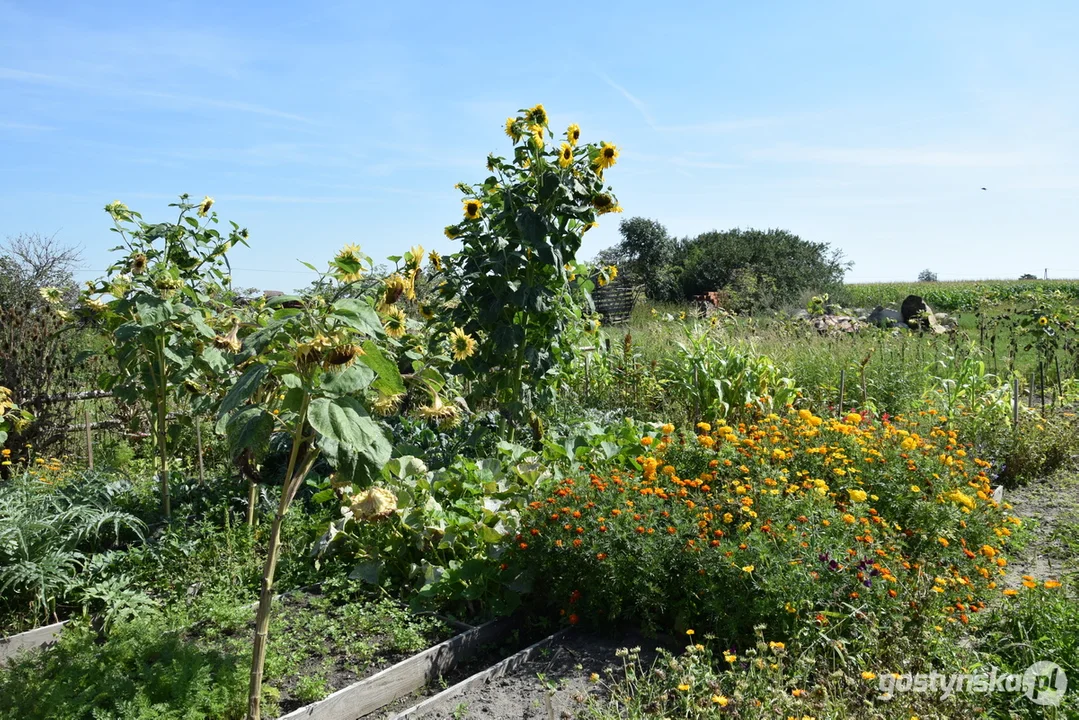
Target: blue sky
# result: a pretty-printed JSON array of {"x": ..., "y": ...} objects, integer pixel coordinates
[{"x": 871, "y": 126}]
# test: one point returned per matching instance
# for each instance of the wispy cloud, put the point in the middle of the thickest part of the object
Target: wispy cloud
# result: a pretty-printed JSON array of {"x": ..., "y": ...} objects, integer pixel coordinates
[
  {"x": 633, "y": 99},
  {"x": 32, "y": 127},
  {"x": 896, "y": 156},
  {"x": 186, "y": 101}
]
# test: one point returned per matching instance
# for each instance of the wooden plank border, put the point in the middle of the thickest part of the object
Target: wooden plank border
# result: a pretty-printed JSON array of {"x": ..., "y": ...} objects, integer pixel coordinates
[
  {"x": 42, "y": 636},
  {"x": 368, "y": 695},
  {"x": 482, "y": 677}
]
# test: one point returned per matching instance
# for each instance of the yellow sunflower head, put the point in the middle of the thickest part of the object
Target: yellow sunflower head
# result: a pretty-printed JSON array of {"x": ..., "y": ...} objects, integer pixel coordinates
[
  {"x": 342, "y": 356},
  {"x": 387, "y": 404},
  {"x": 349, "y": 262},
  {"x": 395, "y": 322},
  {"x": 512, "y": 129},
  {"x": 436, "y": 260},
  {"x": 416, "y": 255},
  {"x": 537, "y": 115},
  {"x": 473, "y": 209},
  {"x": 608, "y": 155},
  {"x": 1043, "y": 321},
  {"x": 565, "y": 155},
  {"x": 537, "y": 134},
  {"x": 138, "y": 264},
  {"x": 604, "y": 203},
  {"x": 118, "y": 210},
  {"x": 427, "y": 312},
  {"x": 392, "y": 289},
  {"x": 573, "y": 134},
  {"x": 462, "y": 345},
  {"x": 205, "y": 205},
  {"x": 451, "y": 231}
]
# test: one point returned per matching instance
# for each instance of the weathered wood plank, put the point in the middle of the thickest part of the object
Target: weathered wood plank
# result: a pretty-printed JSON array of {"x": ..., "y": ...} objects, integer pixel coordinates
[
  {"x": 444, "y": 698},
  {"x": 382, "y": 688},
  {"x": 38, "y": 637}
]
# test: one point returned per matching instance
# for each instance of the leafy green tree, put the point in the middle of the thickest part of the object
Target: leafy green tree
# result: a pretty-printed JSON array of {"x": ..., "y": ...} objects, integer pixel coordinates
[
  {"x": 776, "y": 266},
  {"x": 927, "y": 275},
  {"x": 647, "y": 255}
]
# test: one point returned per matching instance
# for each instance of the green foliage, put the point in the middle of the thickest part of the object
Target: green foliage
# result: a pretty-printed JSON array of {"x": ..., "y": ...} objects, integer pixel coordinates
[
  {"x": 48, "y": 541},
  {"x": 760, "y": 269},
  {"x": 646, "y": 254},
  {"x": 515, "y": 284},
  {"x": 954, "y": 295}
]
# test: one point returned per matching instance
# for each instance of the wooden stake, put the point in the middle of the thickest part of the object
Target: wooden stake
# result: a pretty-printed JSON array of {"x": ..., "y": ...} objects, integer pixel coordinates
[
  {"x": 198, "y": 449},
  {"x": 842, "y": 389},
  {"x": 89, "y": 440},
  {"x": 1015, "y": 402}
]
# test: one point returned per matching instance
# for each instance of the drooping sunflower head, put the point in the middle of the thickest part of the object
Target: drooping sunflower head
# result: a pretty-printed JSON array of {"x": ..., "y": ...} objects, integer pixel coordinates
[
  {"x": 373, "y": 504},
  {"x": 573, "y": 134},
  {"x": 445, "y": 415},
  {"x": 436, "y": 260},
  {"x": 415, "y": 256},
  {"x": 395, "y": 322},
  {"x": 608, "y": 156},
  {"x": 612, "y": 271},
  {"x": 167, "y": 286},
  {"x": 349, "y": 254},
  {"x": 392, "y": 289},
  {"x": 537, "y": 115},
  {"x": 94, "y": 306},
  {"x": 537, "y": 134},
  {"x": 451, "y": 231},
  {"x": 349, "y": 262},
  {"x": 205, "y": 205},
  {"x": 118, "y": 210},
  {"x": 473, "y": 209},
  {"x": 426, "y": 311},
  {"x": 565, "y": 155},
  {"x": 342, "y": 356},
  {"x": 51, "y": 295},
  {"x": 229, "y": 341},
  {"x": 462, "y": 345},
  {"x": 138, "y": 264},
  {"x": 604, "y": 203},
  {"x": 387, "y": 404}
]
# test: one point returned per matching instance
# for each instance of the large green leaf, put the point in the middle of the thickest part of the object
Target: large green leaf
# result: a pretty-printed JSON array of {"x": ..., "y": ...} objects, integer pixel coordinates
[
  {"x": 152, "y": 311},
  {"x": 358, "y": 315},
  {"x": 350, "y": 380},
  {"x": 249, "y": 429},
  {"x": 389, "y": 380},
  {"x": 244, "y": 387},
  {"x": 345, "y": 421}
]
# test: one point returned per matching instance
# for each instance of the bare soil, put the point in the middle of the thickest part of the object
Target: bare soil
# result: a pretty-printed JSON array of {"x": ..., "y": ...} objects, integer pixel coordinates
[{"x": 1049, "y": 509}]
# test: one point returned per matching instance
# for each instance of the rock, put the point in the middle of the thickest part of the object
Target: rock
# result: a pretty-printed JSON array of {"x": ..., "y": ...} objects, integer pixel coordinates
[
  {"x": 884, "y": 317},
  {"x": 915, "y": 313}
]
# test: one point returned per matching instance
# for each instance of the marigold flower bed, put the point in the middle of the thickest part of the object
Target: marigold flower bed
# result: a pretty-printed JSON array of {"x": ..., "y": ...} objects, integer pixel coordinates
[{"x": 814, "y": 526}]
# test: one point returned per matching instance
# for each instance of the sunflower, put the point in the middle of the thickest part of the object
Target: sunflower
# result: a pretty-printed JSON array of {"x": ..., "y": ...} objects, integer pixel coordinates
[
  {"x": 462, "y": 345},
  {"x": 537, "y": 134},
  {"x": 472, "y": 209},
  {"x": 94, "y": 306},
  {"x": 393, "y": 287},
  {"x": 589, "y": 226},
  {"x": 1043, "y": 321},
  {"x": 612, "y": 271},
  {"x": 604, "y": 203},
  {"x": 118, "y": 210},
  {"x": 573, "y": 134},
  {"x": 310, "y": 352},
  {"x": 436, "y": 260},
  {"x": 205, "y": 205},
  {"x": 373, "y": 504},
  {"x": 451, "y": 231},
  {"x": 343, "y": 356},
  {"x": 426, "y": 311},
  {"x": 349, "y": 261},
  {"x": 445, "y": 415},
  {"x": 537, "y": 115},
  {"x": 387, "y": 404},
  {"x": 395, "y": 322},
  {"x": 565, "y": 155},
  {"x": 138, "y": 264},
  {"x": 512, "y": 130},
  {"x": 229, "y": 341},
  {"x": 608, "y": 155},
  {"x": 51, "y": 295}
]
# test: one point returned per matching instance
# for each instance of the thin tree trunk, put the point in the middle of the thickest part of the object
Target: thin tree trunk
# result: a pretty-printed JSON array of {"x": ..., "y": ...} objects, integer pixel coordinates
[{"x": 262, "y": 618}]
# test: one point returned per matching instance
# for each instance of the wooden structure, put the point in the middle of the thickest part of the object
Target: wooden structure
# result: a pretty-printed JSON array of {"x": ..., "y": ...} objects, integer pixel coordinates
[{"x": 614, "y": 301}]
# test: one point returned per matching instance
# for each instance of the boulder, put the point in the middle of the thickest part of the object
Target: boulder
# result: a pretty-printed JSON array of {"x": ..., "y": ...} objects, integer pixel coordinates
[
  {"x": 915, "y": 313},
  {"x": 884, "y": 317}
]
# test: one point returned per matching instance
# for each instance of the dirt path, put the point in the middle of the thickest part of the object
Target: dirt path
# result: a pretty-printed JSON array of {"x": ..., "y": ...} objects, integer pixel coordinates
[{"x": 1049, "y": 509}]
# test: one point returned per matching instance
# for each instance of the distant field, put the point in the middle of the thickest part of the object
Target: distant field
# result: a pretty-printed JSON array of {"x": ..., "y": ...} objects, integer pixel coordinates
[{"x": 951, "y": 296}]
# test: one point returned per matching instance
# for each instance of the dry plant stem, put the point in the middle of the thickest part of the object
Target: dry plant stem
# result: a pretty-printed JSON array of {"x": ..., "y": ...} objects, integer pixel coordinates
[{"x": 293, "y": 476}]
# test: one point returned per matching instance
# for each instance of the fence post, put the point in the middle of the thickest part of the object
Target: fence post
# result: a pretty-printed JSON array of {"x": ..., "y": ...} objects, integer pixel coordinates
[
  {"x": 842, "y": 388},
  {"x": 1033, "y": 378},
  {"x": 89, "y": 440},
  {"x": 1015, "y": 402},
  {"x": 198, "y": 448}
]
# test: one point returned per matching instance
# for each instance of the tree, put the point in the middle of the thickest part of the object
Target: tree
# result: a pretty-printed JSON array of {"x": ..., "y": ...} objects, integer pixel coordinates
[
  {"x": 927, "y": 275},
  {"x": 773, "y": 267},
  {"x": 646, "y": 255}
]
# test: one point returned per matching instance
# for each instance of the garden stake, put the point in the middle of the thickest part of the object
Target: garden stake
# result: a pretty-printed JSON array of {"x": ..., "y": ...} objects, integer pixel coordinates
[
  {"x": 198, "y": 449},
  {"x": 1015, "y": 402},
  {"x": 842, "y": 388},
  {"x": 1041, "y": 371},
  {"x": 89, "y": 441},
  {"x": 1032, "y": 379}
]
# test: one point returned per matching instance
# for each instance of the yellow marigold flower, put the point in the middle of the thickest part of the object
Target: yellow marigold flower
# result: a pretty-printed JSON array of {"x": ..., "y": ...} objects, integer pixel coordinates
[
  {"x": 608, "y": 156},
  {"x": 775, "y": 645},
  {"x": 857, "y": 495},
  {"x": 689, "y": 632},
  {"x": 1030, "y": 584},
  {"x": 988, "y": 551},
  {"x": 462, "y": 345},
  {"x": 565, "y": 155},
  {"x": 683, "y": 687},
  {"x": 1010, "y": 592},
  {"x": 747, "y": 568},
  {"x": 730, "y": 657},
  {"x": 573, "y": 134},
  {"x": 473, "y": 209},
  {"x": 1051, "y": 584},
  {"x": 943, "y": 541},
  {"x": 849, "y": 519},
  {"x": 205, "y": 205},
  {"x": 646, "y": 441},
  {"x": 869, "y": 675},
  {"x": 395, "y": 322},
  {"x": 704, "y": 427},
  {"x": 720, "y": 700},
  {"x": 373, "y": 504},
  {"x": 667, "y": 429},
  {"x": 915, "y": 489}
]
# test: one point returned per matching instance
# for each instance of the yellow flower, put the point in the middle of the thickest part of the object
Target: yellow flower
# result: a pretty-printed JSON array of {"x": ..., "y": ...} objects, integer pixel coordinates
[
  {"x": 537, "y": 115},
  {"x": 915, "y": 489},
  {"x": 604, "y": 203},
  {"x": 343, "y": 356},
  {"x": 689, "y": 632},
  {"x": 395, "y": 322},
  {"x": 51, "y": 295},
  {"x": 1043, "y": 321},
  {"x": 683, "y": 687},
  {"x": 352, "y": 261},
  {"x": 472, "y": 209},
  {"x": 446, "y": 415},
  {"x": 205, "y": 205},
  {"x": 436, "y": 260},
  {"x": 393, "y": 287},
  {"x": 373, "y": 504},
  {"x": 612, "y": 271},
  {"x": 1050, "y": 584},
  {"x": 869, "y": 675},
  {"x": 730, "y": 657},
  {"x": 573, "y": 134},
  {"x": 387, "y": 404},
  {"x": 720, "y": 700},
  {"x": 452, "y": 231},
  {"x": 565, "y": 155},
  {"x": 118, "y": 210},
  {"x": 747, "y": 569},
  {"x": 608, "y": 155},
  {"x": 857, "y": 495},
  {"x": 512, "y": 130},
  {"x": 462, "y": 345},
  {"x": 537, "y": 134},
  {"x": 593, "y": 678},
  {"x": 417, "y": 253}
]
